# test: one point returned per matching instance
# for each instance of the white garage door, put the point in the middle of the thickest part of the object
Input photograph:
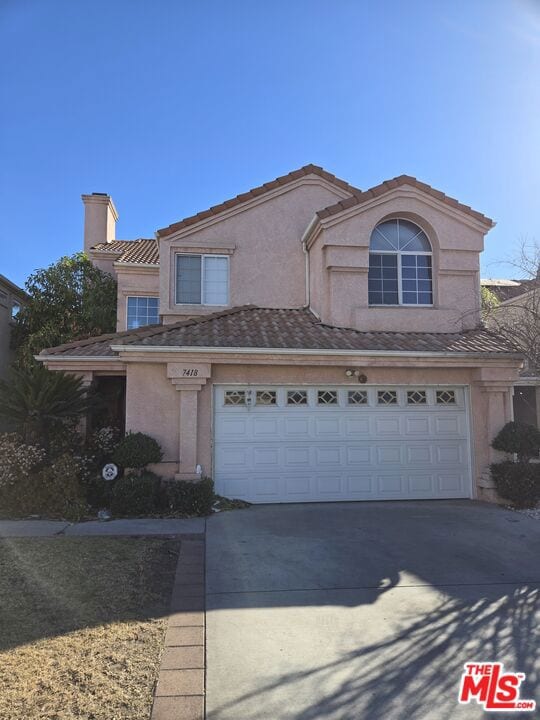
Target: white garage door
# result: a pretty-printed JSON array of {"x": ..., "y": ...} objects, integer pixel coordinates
[{"x": 300, "y": 444}]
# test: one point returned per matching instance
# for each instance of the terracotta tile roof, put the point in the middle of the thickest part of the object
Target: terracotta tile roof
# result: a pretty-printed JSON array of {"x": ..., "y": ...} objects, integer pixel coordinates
[
  {"x": 142, "y": 251},
  {"x": 116, "y": 247},
  {"x": 256, "y": 192},
  {"x": 253, "y": 327},
  {"x": 359, "y": 197}
]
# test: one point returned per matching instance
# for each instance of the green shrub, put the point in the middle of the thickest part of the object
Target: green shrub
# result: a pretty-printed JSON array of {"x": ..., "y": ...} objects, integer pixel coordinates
[
  {"x": 137, "y": 450},
  {"x": 39, "y": 403},
  {"x": 135, "y": 494},
  {"x": 519, "y": 483},
  {"x": 34, "y": 484},
  {"x": 518, "y": 438},
  {"x": 190, "y": 498}
]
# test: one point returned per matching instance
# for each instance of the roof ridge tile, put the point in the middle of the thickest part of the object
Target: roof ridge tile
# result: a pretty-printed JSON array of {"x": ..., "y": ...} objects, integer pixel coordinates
[
  {"x": 396, "y": 182},
  {"x": 256, "y": 192}
]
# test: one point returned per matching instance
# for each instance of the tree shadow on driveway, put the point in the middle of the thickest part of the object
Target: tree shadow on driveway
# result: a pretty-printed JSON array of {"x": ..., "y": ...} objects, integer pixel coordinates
[
  {"x": 413, "y": 670},
  {"x": 422, "y": 598}
]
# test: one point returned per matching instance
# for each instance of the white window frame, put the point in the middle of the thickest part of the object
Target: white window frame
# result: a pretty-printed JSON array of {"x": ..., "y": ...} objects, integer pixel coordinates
[
  {"x": 399, "y": 254},
  {"x": 137, "y": 297},
  {"x": 203, "y": 256}
]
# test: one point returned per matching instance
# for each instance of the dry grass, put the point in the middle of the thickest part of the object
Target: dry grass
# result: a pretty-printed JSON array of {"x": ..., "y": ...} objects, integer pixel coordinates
[{"x": 81, "y": 626}]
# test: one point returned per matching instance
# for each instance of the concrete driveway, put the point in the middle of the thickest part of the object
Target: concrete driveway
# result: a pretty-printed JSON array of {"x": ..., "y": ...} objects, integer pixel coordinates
[{"x": 367, "y": 611}]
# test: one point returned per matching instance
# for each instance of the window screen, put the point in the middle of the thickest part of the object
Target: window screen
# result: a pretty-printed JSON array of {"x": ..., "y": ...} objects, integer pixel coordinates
[{"x": 188, "y": 279}]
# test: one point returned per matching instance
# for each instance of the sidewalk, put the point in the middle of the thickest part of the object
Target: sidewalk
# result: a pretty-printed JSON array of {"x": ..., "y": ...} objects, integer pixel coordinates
[{"x": 135, "y": 526}]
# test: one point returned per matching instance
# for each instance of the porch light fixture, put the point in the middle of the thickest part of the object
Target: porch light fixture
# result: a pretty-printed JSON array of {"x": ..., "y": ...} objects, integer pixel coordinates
[{"x": 358, "y": 374}]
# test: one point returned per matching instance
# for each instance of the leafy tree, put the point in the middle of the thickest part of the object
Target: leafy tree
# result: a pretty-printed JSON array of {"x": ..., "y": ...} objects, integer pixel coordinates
[
  {"x": 489, "y": 301},
  {"x": 69, "y": 300},
  {"x": 517, "y": 321},
  {"x": 39, "y": 403}
]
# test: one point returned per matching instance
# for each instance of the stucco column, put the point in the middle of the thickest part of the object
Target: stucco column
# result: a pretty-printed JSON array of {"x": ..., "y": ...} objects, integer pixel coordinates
[
  {"x": 497, "y": 401},
  {"x": 188, "y": 378},
  {"x": 87, "y": 380},
  {"x": 499, "y": 405},
  {"x": 187, "y": 438}
]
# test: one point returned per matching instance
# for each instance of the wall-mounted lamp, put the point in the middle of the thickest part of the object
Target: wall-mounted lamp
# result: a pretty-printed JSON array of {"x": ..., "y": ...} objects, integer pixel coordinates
[{"x": 358, "y": 374}]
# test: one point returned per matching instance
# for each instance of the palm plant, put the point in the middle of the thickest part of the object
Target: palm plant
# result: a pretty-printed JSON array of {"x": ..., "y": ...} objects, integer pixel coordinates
[{"x": 37, "y": 402}]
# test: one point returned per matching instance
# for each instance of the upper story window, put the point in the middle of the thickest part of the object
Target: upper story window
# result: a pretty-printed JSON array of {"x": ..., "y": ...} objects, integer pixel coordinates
[
  {"x": 400, "y": 268},
  {"x": 202, "y": 280},
  {"x": 142, "y": 311},
  {"x": 15, "y": 309}
]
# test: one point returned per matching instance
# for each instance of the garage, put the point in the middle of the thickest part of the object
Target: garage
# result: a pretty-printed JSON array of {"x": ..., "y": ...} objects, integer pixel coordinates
[{"x": 335, "y": 443}]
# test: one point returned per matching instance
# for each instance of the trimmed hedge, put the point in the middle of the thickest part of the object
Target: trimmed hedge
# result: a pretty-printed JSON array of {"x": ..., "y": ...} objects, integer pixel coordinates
[
  {"x": 135, "y": 494},
  {"x": 136, "y": 450},
  {"x": 518, "y": 438},
  {"x": 519, "y": 483},
  {"x": 190, "y": 498}
]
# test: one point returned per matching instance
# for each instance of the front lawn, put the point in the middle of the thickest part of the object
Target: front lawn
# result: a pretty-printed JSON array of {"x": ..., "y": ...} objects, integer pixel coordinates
[{"x": 82, "y": 622}]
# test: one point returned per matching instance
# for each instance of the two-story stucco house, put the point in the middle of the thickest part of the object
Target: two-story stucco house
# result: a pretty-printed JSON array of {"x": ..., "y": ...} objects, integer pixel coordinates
[
  {"x": 12, "y": 298},
  {"x": 315, "y": 342}
]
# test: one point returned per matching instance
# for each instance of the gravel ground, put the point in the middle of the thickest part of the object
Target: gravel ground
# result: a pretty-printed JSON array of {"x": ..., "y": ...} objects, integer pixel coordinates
[{"x": 533, "y": 513}]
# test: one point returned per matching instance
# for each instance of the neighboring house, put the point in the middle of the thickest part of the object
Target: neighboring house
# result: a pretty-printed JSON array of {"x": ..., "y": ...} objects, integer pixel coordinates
[
  {"x": 317, "y": 343},
  {"x": 12, "y": 298},
  {"x": 518, "y": 313}
]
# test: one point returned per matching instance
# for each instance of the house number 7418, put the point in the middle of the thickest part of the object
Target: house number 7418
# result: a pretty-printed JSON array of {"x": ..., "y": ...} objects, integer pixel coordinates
[{"x": 190, "y": 372}]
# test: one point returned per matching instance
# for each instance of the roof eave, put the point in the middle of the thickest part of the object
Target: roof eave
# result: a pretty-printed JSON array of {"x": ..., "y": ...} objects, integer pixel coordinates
[
  {"x": 310, "y": 351},
  {"x": 130, "y": 264}
]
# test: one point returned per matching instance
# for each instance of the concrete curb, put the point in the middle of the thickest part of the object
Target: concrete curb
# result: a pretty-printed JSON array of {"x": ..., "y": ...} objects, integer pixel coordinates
[
  {"x": 32, "y": 528},
  {"x": 184, "y": 527},
  {"x": 180, "y": 688}
]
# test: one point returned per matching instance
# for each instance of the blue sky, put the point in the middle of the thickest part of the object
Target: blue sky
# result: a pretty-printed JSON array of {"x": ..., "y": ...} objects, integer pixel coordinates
[{"x": 175, "y": 105}]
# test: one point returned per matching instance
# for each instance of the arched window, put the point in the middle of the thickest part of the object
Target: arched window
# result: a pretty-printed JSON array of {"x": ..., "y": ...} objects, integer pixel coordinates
[{"x": 400, "y": 271}]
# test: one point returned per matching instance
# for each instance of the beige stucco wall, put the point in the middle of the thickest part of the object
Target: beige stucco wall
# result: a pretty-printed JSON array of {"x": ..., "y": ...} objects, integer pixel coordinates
[
  {"x": 339, "y": 261},
  {"x": 152, "y": 407},
  {"x": 153, "y": 403},
  {"x": 103, "y": 262},
  {"x": 263, "y": 240},
  {"x": 267, "y": 264},
  {"x": 134, "y": 281}
]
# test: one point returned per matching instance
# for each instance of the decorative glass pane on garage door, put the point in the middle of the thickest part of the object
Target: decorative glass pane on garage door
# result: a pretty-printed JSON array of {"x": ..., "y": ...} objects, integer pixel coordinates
[
  {"x": 357, "y": 397},
  {"x": 446, "y": 397},
  {"x": 235, "y": 397},
  {"x": 387, "y": 397},
  {"x": 327, "y": 397},
  {"x": 416, "y": 397},
  {"x": 266, "y": 397},
  {"x": 297, "y": 397}
]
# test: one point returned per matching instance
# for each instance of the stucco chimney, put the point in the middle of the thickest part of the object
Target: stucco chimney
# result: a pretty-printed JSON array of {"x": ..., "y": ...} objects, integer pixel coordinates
[{"x": 100, "y": 218}]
